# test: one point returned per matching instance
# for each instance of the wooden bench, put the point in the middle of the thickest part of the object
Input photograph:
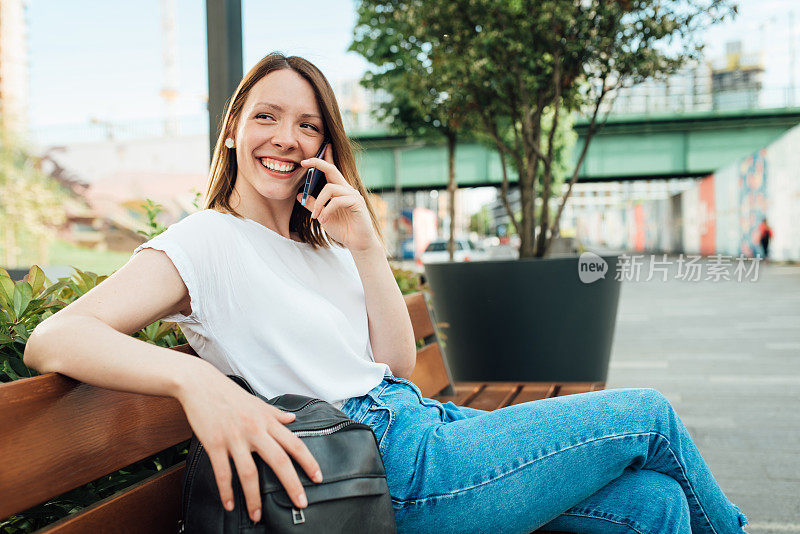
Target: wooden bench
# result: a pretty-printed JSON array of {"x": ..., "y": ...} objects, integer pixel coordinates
[{"x": 58, "y": 434}]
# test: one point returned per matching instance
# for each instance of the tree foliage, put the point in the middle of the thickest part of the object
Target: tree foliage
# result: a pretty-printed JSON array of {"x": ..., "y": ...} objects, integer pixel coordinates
[
  {"x": 516, "y": 67},
  {"x": 421, "y": 102},
  {"x": 30, "y": 202}
]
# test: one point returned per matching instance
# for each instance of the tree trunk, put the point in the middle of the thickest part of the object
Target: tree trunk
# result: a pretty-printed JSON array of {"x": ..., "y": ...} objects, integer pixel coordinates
[
  {"x": 451, "y": 190},
  {"x": 544, "y": 219},
  {"x": 530, "y": 141},
  {"x": 527, "y": 197}
]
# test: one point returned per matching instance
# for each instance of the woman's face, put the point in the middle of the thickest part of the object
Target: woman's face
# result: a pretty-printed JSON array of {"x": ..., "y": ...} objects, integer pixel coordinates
[{"x": 280, "y": 125}]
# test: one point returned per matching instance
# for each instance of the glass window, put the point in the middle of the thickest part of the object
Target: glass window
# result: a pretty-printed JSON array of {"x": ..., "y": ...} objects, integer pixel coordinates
[{"x": 436, "y": 246}]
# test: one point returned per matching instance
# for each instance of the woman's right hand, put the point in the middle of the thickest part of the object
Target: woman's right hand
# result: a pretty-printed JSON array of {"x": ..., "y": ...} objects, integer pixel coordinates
[{"x": 230, "y": 422}]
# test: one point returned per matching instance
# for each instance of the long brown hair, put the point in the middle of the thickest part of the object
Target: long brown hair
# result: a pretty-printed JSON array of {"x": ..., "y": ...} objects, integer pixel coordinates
[{"x": 222, "y": 175}]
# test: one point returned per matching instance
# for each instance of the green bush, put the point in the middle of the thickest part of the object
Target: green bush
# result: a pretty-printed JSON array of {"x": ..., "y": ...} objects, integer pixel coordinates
[{"x": 23, "y": 305}]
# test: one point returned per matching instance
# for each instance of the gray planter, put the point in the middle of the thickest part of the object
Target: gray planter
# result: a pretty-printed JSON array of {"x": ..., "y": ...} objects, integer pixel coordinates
[
  {"x": 525, "y": 320},
  {"x": 17, "y": 274}
]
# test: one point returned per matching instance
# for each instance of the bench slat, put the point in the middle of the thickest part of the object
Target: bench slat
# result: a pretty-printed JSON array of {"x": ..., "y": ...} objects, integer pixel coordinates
[
  {"x": 536, "y": 391},
  {"x": 153, "y": 506},
  {"x": 420, "y": 318},
  {"x": 492, "y": 396},
  {"x": 59, "y": 434},
  {"x": 460, "y": 394},
  {"x": 579, "y": 387},
  {"x": 430, "y": 375}
]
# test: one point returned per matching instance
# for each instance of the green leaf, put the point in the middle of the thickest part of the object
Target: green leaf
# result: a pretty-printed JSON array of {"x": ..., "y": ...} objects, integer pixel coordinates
[
  {"x": 89, "y": 278},
  {"x": 6, "y": 368},
  {"x": 22, "y": 332},
  {"x": 35, "y": 278},
  {"x": 19, "y": 367},
  {"x": 63, "y": 282},
  {"x": 22, "y": 297},
  {"x": 6, "y": 289}
]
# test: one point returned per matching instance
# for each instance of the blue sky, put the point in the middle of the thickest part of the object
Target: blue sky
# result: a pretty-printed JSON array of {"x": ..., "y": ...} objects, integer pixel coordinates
[{"x": 103, "y": 59}]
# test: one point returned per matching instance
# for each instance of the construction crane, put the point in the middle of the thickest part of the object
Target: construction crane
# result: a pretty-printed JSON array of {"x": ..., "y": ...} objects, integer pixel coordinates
[{"x": 170, "y": 56}]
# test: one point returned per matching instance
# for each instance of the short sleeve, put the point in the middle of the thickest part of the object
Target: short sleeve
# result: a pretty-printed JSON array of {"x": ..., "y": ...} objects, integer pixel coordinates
[{"x": 186, "y": 246}]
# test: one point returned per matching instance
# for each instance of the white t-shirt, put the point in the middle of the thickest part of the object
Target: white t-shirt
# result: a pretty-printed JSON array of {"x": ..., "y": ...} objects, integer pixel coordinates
[{"x": 287, "y": 317}]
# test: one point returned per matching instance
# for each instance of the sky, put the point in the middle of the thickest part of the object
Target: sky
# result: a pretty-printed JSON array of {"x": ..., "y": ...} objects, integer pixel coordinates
[
  {"x": 104, "y": 59},
  {"x": 91, "y": 58}
]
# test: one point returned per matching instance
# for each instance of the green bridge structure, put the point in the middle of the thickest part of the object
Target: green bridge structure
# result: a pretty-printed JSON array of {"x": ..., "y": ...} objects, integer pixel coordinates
[
  {"x": 678, "y": 144},
  {"x": 628, "y": 147}
]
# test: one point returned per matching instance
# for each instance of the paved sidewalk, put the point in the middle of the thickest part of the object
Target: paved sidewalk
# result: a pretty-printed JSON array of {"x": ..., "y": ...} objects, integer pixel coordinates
[{"x": 727, "y": 355}]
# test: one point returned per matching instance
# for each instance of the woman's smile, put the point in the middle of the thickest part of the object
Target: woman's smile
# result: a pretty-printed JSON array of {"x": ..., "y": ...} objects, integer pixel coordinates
[{"x": 278, "y": 168}]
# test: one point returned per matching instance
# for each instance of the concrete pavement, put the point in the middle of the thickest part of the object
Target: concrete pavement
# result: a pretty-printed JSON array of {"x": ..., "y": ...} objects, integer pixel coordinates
[{"x": 727, "y": 356}]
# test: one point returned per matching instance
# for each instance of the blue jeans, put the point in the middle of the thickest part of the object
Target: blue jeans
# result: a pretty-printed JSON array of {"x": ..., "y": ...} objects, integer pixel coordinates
[{"x": 618, "y": 460}]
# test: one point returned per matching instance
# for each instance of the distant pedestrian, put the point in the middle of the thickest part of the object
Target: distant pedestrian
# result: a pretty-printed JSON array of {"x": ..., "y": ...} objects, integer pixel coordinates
[{"x": 764, "y": 236}]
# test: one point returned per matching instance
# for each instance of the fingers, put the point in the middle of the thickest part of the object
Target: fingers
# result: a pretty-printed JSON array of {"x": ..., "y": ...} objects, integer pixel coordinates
[
  {"x": 328, "y": 155},
  {"x": 283, "y": 417},
  {"x": 281, "y": 464},
  {"x": 248, "y": 476},
  {"x": 335, "y": 204},
  {"x": 327, "y": 192},
  {"x": 299, "y": 451},
  {"x": 273, "y": 447},
  {"x": 332, "y": 174},
  {"x": 222, "y": 473}
]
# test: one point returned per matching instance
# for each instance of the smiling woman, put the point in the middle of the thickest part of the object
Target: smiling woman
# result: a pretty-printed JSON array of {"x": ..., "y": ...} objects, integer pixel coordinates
[{"x": 278, "y": 117}]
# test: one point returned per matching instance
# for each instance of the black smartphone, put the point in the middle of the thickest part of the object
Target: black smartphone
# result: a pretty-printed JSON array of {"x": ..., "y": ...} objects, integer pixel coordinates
[{"x": 314, "y": 177}]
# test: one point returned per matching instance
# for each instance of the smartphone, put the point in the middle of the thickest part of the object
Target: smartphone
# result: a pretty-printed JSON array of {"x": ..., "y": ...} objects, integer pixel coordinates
[{"x": 314, "y": 177}]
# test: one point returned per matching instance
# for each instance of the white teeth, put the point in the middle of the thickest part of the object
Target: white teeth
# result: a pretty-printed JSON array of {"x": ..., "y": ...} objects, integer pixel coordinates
[{"x": 280, "y": 167}]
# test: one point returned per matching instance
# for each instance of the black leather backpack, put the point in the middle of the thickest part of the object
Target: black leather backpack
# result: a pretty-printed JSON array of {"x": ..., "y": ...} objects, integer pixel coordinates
[{"x": 353, "y": 496}]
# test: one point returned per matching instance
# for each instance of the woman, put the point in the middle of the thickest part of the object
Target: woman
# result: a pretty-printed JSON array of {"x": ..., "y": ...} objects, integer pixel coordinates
[{"x": 259, "y": 292}]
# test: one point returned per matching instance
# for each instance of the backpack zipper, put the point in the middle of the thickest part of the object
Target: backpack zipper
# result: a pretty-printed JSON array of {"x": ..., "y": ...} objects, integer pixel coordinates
[
  {"x": 324, "y": 431},
  {"x": 190, "y": 475}
]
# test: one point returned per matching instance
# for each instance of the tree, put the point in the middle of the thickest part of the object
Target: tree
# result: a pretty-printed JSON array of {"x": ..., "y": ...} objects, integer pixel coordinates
[
  {"x": 30, "y": 202},
  {"x": 422, "y": 103},
  {"x": 521, "y": 65}
]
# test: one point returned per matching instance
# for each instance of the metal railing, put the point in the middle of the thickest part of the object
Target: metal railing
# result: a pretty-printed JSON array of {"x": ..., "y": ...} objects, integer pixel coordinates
[
  {"x": 645, "y": 99},
  {"x": 653, "y": 100}
]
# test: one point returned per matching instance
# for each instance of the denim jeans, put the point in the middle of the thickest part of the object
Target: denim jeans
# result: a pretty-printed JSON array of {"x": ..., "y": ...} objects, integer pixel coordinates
[{"x": 617, "y": 460}]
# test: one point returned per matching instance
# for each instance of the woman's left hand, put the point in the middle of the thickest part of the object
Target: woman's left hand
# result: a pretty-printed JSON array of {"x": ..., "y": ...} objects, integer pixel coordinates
[{"x": 340, "y": 209}]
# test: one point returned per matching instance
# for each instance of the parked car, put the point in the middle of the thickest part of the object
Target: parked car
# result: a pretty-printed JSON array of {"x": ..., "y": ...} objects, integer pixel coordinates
[{"x": 465, "y": 250}]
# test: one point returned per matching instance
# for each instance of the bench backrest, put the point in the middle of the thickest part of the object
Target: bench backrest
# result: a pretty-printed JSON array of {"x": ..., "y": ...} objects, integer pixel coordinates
[{"x": 57, "y": 434}]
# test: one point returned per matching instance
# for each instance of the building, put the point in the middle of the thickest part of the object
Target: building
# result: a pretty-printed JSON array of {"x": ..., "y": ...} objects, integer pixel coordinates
[
  {"x": 737, "y": 79},
  {"x": 356, "y": 104},
  {"x": 14, "y": 66}
]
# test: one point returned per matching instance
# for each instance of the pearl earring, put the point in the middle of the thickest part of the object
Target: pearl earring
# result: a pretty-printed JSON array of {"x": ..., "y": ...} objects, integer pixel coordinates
[{"x": 229, "y": 142}]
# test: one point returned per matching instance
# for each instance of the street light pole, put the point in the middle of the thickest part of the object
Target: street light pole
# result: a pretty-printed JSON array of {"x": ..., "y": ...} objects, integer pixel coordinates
[
  {"x": 792, "y": 57},
  {"x": 224, "y": 44}
]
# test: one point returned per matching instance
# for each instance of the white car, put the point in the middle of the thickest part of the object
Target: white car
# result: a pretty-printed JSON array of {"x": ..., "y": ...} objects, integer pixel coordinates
[{"x": 465, "y": 250}]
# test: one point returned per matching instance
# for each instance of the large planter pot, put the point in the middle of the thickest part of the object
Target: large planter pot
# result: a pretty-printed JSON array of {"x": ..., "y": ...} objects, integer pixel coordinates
[
  {"x": 17, "y": 274},
  {"x": 531, "y": 319}
]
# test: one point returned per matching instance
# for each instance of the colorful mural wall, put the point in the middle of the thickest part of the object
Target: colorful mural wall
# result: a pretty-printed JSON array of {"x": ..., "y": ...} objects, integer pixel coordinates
[
  {"x": 720, "y": 214},
  {"x": 752, "y": 202}
]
